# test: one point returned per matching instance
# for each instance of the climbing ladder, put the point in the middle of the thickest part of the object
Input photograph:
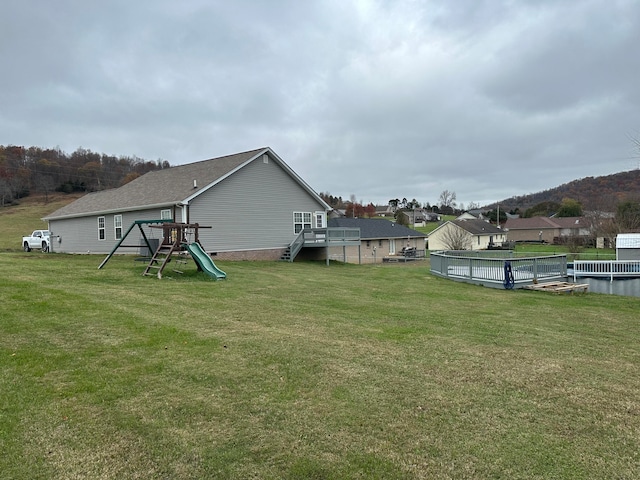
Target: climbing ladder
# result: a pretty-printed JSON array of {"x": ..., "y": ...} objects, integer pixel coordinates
[
  {"x": 160, "y": 258},
  {"x": 173, "y": 237}
]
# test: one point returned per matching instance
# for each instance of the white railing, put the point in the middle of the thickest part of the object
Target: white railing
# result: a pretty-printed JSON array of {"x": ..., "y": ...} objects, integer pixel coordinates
[
  {"x": 485, "y": 268},
  {"x": 606, "y": 268}
]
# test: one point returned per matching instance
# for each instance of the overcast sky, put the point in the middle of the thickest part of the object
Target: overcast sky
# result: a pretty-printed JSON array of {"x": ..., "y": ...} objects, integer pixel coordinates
[{"x": 377, "y": 99}]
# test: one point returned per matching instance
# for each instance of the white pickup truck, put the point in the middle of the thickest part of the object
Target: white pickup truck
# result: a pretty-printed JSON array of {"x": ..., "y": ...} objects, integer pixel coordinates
[{"x": 38, "y": 239}]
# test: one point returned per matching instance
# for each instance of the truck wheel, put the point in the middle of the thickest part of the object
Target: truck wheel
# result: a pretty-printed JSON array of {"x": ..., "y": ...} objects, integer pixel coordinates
[
  {"x": 45, "y": 247},
  {"x": 26, "y": 247}
]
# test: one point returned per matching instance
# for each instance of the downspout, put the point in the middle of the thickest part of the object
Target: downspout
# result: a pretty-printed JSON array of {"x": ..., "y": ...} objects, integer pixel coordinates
[{"x": 184, "y": 209}]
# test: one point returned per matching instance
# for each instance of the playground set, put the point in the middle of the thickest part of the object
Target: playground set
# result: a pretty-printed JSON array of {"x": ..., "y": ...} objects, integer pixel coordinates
[{"x": 177, "y": 239}]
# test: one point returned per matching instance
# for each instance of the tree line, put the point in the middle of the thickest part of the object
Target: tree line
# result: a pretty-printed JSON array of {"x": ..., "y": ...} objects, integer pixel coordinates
[{"x": 35, "y": 170}]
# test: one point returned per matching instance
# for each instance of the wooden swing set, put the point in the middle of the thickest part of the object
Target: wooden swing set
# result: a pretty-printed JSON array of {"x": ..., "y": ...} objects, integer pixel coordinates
[{"x": 176, "y": 238}]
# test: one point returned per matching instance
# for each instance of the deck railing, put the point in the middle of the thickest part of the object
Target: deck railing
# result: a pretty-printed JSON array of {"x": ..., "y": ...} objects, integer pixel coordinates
[
  {"x": 322, "y": 236},
  {"x": 606, "y": 268},
  {"x": 484, "y": 268}
]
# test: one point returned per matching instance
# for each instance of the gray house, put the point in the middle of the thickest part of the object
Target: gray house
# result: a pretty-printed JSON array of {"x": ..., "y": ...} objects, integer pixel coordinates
[{"x": 254, "y": 202}]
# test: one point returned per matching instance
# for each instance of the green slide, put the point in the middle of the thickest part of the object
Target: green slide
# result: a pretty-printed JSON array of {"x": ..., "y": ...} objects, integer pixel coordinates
[{"x": 205, "y": 262}]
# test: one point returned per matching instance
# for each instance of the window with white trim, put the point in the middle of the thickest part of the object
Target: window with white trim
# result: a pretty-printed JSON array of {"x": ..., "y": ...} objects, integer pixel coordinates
[
  {"x": 117, "y": 226},
  {"x": 166, "y": 214},
  {"x": 101, "y": 229},
  {"x": 301, "y": 220}
]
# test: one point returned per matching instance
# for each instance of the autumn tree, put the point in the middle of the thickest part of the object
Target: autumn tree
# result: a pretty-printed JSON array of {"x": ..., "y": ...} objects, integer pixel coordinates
[
  {"x": 37, "y": 170},
  {"x": 355, "y": 210},
  {"x": 542, "y": 209},
  {"x": 370, "y": 210},
  {"x": 401, "y": 218},
  {"x": 569, "y": 208},
  {"x": 628, "y": 216}
]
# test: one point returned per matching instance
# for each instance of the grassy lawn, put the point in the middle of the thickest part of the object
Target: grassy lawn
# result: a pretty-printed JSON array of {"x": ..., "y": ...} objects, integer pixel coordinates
[
  {"x": 302, "y": 371},
  {"x": 20, "y": 220},
  {"x": 582, "y": 254}
]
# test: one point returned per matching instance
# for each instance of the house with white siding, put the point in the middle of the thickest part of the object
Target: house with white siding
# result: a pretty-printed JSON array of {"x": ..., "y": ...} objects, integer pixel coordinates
[
  {"x": 466, "y": 234},
  {"x": 255, "y": 204}
]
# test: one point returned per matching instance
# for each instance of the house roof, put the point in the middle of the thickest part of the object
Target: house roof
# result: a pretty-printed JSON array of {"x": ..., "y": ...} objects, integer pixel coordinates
[
  {"x": 170, "y": 186},
  {"x": 537, "y": 223},
  {"x": 477, "y": 227},
  {"x": 540, "y": 223},
  {"x": 375, "y": 228},
  {"x": 628, "y": 240}
]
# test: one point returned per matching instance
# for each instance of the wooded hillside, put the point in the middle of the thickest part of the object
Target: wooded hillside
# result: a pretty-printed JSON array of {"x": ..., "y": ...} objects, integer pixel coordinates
[
  {"x": 27, "y": 170},
  {"x": 594, "y": 193}
]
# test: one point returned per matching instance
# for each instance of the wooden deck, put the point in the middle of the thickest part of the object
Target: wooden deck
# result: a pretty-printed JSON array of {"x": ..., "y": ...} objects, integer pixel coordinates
[{"x": 559, "y": 287}]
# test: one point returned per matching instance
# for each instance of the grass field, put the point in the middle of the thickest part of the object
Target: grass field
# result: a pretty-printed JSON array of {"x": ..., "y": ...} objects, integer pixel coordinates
[{"x": 300, "y": 370}]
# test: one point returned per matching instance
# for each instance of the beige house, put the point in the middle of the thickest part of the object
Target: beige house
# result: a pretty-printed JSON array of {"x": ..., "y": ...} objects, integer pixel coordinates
[
  {"x": 379, "y": 239},
  {"x": 547, "y": 230},
  {"x": 466, "y": 234}
]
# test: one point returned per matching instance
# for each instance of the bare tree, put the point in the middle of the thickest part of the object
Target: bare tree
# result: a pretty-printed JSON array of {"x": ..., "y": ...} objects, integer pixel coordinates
[
  {"x": 456, "y": 238},
  {"x": 447, "y": 200}
]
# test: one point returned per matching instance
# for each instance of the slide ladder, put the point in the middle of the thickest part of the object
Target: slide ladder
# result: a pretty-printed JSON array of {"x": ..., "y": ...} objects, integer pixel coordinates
[{"x": 160, "y": 258}]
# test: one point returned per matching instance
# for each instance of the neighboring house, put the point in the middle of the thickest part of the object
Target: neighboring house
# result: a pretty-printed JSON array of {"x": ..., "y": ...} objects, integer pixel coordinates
[
  {"x": 628, "y": 246},
  {"x": 384, "y": 211},
  {"x": 417, "y": 217},
  {"x": 379, "y": 238},
  {"x": 548, "y": 230},
  {"x": 337, "y": 213},
  {"x": 470, "y": 234},
  {"x": 254, "y": 202}
]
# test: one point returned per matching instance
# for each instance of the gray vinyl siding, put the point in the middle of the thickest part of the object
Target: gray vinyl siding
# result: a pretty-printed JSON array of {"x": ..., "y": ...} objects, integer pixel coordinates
[
  {"x": 252, "y": 209},
  {"x": 80, "y": 235}
]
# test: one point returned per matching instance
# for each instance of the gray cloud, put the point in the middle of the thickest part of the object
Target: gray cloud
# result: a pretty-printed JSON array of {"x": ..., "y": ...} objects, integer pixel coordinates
[{"x": 373, "y": 98}]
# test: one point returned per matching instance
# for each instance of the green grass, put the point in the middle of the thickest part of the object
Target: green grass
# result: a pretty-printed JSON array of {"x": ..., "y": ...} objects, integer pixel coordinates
[
  {"x": 20, "y": 220},
  {"x": 306, "y": 371},
  {"x": 582, "y": 254}
]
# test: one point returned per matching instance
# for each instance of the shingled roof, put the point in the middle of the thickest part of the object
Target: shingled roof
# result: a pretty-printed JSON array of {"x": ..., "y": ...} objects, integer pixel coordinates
[
  {"x": 545, "y": 222},
  {"x": 478, "y": 227},
  {"x": 167, "y": 187},
  {"x": 374, "y": 228}
]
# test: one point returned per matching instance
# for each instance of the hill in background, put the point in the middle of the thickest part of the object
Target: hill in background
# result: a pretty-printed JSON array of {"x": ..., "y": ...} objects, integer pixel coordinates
[{"x": 594, "y": 193}]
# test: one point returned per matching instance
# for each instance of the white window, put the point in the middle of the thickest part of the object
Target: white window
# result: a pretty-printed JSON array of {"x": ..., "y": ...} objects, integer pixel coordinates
[
  {"x": 117, "y": 226},
  {"x": 166, "y": 214},
  {"x": 101, "y": 231},
  {"x": 301, "y": 220},
  {"x": 319, "y": 219},
  {"x": 392, "y": 246}
]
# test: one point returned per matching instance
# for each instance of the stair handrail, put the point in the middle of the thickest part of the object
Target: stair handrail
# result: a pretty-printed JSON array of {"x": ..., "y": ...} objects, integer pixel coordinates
[{"x": 296, "y": 245}]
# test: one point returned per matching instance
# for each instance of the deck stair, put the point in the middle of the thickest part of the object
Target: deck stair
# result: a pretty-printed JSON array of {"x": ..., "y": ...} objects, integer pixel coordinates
[{"x": 286, "y": 256}]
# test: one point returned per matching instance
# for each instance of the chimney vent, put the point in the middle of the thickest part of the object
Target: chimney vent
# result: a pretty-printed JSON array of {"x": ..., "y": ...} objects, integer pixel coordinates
[{"x": 195, "y": 184}]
